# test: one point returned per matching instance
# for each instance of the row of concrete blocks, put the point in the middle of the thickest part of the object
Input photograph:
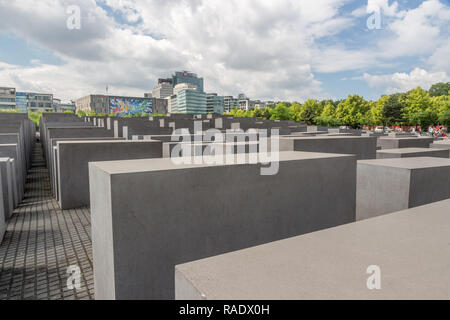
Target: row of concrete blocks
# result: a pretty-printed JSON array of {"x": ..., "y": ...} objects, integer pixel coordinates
[
  {"x": 16, "y": 143},
  {"x": 150, "y": 215},
  {"x": 73, "y": 156},
  {"x": 69, "y": 157}
]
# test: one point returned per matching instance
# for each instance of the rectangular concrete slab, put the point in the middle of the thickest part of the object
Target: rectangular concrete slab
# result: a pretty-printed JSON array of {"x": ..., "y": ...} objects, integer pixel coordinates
[
  {"x": 389, "y": 185},
  {"x": 362, "y": 147},
  {"x": 7, "y": 186},
  {"x": 149, "y": 215},
  {"x": 73, "y": 158},
  {"x": 411, "y": 153},
  {"x": 409, "y": 247},
  {"x": 404, "y": 142}
]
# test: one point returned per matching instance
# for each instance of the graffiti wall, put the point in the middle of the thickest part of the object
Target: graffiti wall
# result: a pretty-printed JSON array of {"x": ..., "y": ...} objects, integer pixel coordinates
[{"x": 123, "y": 106}]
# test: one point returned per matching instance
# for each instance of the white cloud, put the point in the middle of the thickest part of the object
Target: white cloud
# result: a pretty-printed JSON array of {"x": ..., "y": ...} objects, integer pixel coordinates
[
  {"x": 267, "y": 49},
  {"x": 401, "y": 82}
]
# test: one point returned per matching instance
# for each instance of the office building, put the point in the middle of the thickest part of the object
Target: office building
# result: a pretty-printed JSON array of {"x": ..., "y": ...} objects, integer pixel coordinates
[
  {"x": 188, "y": 99},
  {"x": 187, "y": 77},
  {"x": 97, "y": 103},
  {"x": 163, "y": 89},
  {"x": 214, "y": 103},
  {"x": 59, "y": 106},
  {"x": 7, "y": 98},
  {"x": 32, "y": 101}
]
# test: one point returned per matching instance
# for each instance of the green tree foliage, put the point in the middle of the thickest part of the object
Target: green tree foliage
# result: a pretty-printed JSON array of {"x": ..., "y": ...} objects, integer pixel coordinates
[
  {"x": 81, "y": 113},
  {"x": 35, "y": 116},
  {"x": 393, "y": 109},
  {"x": 352, "y": 111},
  {"x": 445, "y": 119},
  {"x": 417, "y": 101},
  {"x": 440, "y": 89},
  {"x": 280, "y": 112}
]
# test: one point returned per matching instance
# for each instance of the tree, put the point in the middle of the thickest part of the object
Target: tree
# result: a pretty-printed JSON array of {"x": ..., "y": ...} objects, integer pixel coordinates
[
  {"x": 69, "y": 111},
  {"x": 309, "y": 111},
  {"x": 352, "y": 111},
  {"x": 426, "y": 119},
  {"x": 257, "y": 112},
  {"x": 417, "y": 101},
  {"x": 440, "y": 89},
  {"x": 81, "y": 113},
  {"x": 445, "y": 119},
  {"x": 329, "y": 110},
  {"x": 375, "y": 114},
  {"x": 441, "y": 104},
  {"x": 280, "y": 112},
  {"x": 393, "y": 109}
]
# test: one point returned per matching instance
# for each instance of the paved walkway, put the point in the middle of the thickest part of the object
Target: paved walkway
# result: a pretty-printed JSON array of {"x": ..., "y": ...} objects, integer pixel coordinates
[{"x": 42, "y": 241}]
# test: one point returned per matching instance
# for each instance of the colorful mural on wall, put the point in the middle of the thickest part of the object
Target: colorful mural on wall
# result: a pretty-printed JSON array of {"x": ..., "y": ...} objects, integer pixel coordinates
[{"x": 125, "y": 106}]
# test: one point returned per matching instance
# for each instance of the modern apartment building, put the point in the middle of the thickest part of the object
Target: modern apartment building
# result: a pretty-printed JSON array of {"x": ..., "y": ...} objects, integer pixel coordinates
[
  {"x": 214, "y": 103},
  {"x": 31, "y": 101},
  {"x": 187, "y": 77},
  {"x": 7, "y": 98},
  {"x": 229, "y": 102},
  {"x": 59, "y": 106},
  {"x": 163, "y": 89}
]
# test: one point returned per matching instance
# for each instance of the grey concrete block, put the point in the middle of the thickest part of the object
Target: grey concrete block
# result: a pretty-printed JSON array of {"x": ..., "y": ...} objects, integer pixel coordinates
[
  {"x": 73, "y": 158},
  {"x": 389, "y": 185},
  {"x": 6, "y": 182},
  {"x": 409, "y": 247},
  {"x": 2, "y": 210},
  {"x": 411, "y": 153},
  {"x": 11, "y": 151},
  {"x": 443, "y": 145},
  {"x": 149, "y": 215},
  {"x": 404, "y": 142},
  {"x": 362, "y": 147}
]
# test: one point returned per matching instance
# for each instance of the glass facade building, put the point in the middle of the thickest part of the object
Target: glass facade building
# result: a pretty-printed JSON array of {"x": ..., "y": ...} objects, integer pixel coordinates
[
  {"x": 190, "y": 101},
  {"x": 187, "y": 77}
]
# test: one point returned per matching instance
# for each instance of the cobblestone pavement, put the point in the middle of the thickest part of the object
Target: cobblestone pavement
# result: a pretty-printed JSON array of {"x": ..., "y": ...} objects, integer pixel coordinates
[{"x": 42, "y": 241}]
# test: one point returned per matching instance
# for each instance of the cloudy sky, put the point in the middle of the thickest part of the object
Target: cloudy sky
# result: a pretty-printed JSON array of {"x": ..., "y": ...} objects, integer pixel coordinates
[{"x": 281, "y": 50}]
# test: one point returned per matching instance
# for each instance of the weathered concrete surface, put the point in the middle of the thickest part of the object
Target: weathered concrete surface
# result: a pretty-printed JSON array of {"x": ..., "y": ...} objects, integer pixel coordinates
[
  {"x": 411, "y": 153},
  {"x": 6, "y": 185},
  {"x": 362, "y": 147},
  {"x": 53, "y": 161},
  {"x": 404, "y": 142},
  {"x": 389, "y": 185},
  {"x": 443, "y": 145},
  {"x": 73, "y": 158},
  {"x": 410, "y": 247},
  {"x": 149, "y": 215},
  {"x": 2, "y": 210},
  {"x": 11, "y": 151}
]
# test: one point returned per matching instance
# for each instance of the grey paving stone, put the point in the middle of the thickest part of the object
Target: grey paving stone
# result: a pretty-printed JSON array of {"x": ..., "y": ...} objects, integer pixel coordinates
[{"x": 41, "y": 241}]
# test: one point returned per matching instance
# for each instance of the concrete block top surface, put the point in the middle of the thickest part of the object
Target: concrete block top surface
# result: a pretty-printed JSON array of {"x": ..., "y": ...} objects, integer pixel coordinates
[
  {"x": 406, "y": 138},
  {"x": 410, "y": 247},
  {"x": 444, "y": 142},
  {"x": 408, "y": 163},
  {"x": 406, "y": 150},
  {"x": 148, "y": 165},
  {"x": 297, "y": 136},
  {"x": 112, "y": 141}
]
